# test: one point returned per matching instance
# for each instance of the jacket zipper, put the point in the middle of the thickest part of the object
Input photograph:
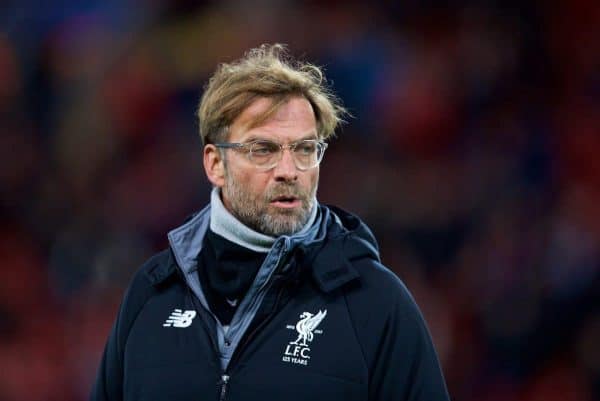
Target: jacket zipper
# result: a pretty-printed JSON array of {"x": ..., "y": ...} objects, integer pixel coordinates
[
  {"x": 226, "y": 376},
  {"x": 258, "y": 328},
  {"x": 224, "y": 381}
]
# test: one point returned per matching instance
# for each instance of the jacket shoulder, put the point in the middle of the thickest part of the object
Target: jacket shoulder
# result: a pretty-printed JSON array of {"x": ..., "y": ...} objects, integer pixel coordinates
[
  {"x": 379, "y": 301},
  {"x": 143, "y": 284},
  {"x": 381, "y": 286},
  {"x": 157, "y": 268}
]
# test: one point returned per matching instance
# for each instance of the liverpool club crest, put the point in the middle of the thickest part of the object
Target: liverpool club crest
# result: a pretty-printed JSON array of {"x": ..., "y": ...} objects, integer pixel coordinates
[{"x": 298, "y": 350}]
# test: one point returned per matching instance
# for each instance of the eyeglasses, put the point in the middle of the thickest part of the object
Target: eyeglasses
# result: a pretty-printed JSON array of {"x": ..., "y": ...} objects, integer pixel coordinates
[{"x": 265, "y": 154}]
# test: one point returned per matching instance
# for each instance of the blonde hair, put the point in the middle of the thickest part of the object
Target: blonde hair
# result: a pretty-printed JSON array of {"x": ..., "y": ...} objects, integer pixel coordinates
[{"x": 267, "y": 71}]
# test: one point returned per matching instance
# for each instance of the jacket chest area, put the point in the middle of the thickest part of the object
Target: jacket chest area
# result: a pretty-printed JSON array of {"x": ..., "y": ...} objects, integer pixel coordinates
[{"x": 306, "y": 349}]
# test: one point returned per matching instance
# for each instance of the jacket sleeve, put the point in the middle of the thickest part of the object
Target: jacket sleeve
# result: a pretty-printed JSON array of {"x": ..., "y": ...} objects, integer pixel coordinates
[
  {"x": 403, "y": 364},
  {"x": 110, "y": 376},
  {"x": 109, "y": 379}
]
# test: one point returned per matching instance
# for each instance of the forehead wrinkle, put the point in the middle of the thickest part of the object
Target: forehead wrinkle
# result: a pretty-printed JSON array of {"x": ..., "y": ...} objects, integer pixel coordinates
[
  {"x": 256, "y": 118},
  {"x": 259, "y": 111},
  {"x": 267, "y": 113},
  {"x": 270, "y": 112}
]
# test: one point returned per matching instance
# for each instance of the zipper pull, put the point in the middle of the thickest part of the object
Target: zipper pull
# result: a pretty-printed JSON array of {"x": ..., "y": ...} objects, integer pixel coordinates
[{"x": 224, "y": 381}]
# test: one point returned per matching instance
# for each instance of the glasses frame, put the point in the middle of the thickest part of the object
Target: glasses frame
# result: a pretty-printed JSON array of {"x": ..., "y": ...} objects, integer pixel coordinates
[{"x": 246, "y": 146}]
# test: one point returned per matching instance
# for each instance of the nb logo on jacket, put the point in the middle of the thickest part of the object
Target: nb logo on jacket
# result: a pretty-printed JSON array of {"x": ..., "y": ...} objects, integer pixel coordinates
[{"x": 179, "y": 318}]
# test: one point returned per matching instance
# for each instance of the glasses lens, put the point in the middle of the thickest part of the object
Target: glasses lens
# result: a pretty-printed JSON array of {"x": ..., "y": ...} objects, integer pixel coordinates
[
  {"x": 264, "y": 153},
  {"x": 307, "y": 154}
]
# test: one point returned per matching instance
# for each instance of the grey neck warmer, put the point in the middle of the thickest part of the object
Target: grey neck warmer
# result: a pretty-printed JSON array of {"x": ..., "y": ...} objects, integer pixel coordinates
[{"x": 223, "y": 223}]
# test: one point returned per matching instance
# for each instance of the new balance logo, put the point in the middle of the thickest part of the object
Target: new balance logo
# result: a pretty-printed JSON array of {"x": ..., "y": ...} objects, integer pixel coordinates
[{"x": 179, "y": 318}]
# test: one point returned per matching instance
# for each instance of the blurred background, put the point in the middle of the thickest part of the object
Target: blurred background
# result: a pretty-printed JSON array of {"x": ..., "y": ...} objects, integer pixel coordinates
[{"x": 472, "y": 154}]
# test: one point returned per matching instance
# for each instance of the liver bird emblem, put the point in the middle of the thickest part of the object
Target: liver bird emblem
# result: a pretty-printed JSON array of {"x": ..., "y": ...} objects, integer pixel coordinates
[{"x": 307, "y": 325}]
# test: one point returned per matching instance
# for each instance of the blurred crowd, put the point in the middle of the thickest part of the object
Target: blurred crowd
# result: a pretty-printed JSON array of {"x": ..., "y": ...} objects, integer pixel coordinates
[{"x": 472, "y": 154}]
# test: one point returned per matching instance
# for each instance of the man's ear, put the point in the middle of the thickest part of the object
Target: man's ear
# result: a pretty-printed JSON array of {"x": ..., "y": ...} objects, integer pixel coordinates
[{"x": 214, "y": 165}]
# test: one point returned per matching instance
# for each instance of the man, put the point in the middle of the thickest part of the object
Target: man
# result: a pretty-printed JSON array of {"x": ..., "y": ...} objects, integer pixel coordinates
[{"x": 265, "y": 294}]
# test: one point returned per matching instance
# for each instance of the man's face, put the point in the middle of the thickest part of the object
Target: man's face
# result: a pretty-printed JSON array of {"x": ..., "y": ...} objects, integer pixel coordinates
[{"x": 276, "y": 201}]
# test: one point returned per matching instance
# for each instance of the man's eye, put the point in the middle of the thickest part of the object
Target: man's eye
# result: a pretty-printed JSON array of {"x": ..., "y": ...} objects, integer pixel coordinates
[
  {"x": 306, "y": 148},
  {"x": 264, "y": 148}
]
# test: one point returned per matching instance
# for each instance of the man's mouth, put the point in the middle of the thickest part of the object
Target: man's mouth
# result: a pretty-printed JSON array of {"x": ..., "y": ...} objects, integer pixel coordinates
[{"x": 286, "y": 202}]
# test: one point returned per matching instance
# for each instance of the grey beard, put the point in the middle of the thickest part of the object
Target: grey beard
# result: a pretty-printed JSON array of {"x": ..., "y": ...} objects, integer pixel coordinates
[
  {"x": 249, "y": 212},
  {"x": 283, "y": 223}
]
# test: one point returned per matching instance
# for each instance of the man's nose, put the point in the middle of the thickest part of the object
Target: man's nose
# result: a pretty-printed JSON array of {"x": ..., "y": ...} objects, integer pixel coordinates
[{"x": 286, "y": 169}]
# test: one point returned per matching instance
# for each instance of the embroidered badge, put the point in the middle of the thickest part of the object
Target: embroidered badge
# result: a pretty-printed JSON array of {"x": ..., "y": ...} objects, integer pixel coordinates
[{"x": 298, "y": 350}]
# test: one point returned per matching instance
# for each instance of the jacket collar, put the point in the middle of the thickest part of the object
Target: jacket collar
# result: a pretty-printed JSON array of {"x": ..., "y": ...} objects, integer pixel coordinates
[
  {"x": 162, "y": 270},
  {"x": 348, "y": 242},
  {"x": 331, "y": 269},
  {"x": 331, "y": 251}
]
